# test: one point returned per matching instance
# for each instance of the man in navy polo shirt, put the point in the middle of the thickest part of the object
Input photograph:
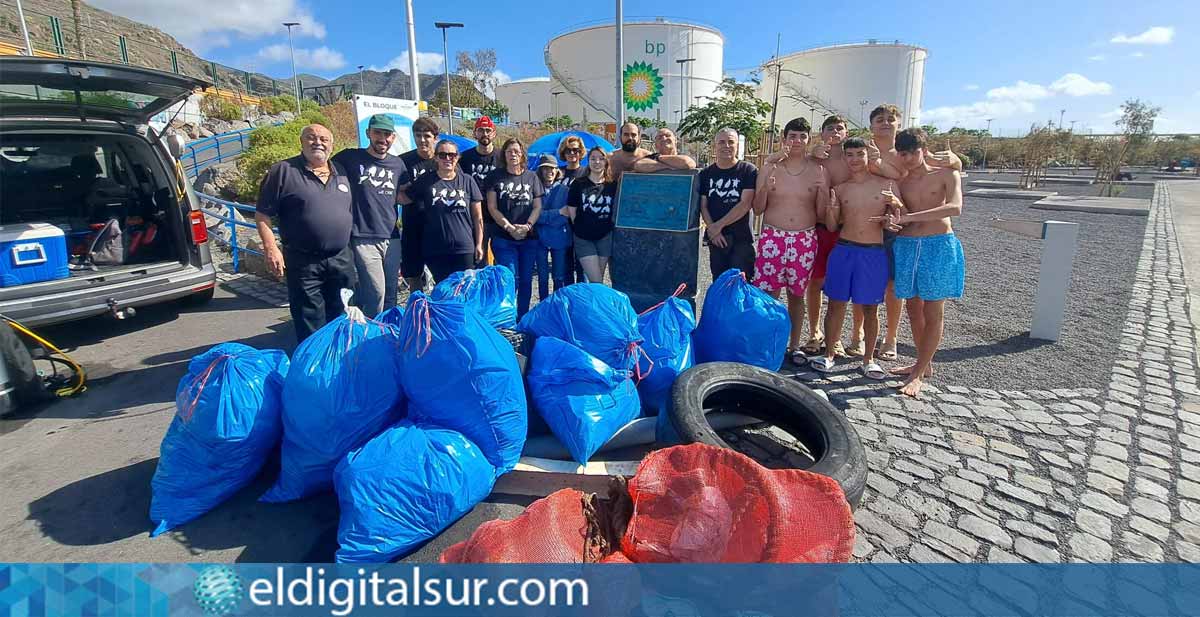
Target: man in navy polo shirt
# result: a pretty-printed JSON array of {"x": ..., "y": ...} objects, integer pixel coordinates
[
  {"x": 375, "y": 174},
  {"x": 310, "y": 195}
]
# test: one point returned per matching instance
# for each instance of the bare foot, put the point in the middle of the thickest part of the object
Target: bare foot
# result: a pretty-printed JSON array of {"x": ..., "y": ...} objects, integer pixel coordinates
[
  {"x": 907, "y": 370},
  {"x": 912, "y": 387}
]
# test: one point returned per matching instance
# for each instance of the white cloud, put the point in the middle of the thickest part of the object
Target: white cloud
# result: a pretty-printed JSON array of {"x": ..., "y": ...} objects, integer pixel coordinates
[
  {"x": 970, "y": 87},
  {"x": 201, "y": 25},
  {"x": 1137, "y": 54},
  {"x": 1158, "y": 35},
  {"x": 1074, "y": 84},
  {"x": 1020, "y": 91},
  {"x": 428, "y": 62},
  {"x": 1110, "y": 115},
  {"x": 1097, "y": 58},
  {"x": 972, "y": 115},
  {"x": 319, "y": 59}
]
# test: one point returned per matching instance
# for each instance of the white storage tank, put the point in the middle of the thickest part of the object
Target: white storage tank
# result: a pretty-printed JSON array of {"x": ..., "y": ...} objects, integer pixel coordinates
[
  {"x": 849, "y": 80},
  {"x": 584, "y": 60},
  {"x": 533, "y": 100}
]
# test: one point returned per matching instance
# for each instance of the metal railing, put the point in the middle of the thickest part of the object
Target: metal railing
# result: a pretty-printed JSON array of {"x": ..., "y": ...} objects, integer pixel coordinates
[{"x": 232, "y": 207}]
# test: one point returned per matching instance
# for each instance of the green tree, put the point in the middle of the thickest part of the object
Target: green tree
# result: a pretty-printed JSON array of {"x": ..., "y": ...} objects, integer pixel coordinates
[
  {"x": 462, "y": 92},
  {"x": 646, "y": 124},
  {"x": 1137, "y": 126},
  {"x": 736, "y": 106},
  {"x": 479, "y": 67},
  {"x": 495, "y": 109}
]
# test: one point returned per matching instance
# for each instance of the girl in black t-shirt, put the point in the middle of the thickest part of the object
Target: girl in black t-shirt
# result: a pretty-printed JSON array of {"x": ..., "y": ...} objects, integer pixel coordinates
[
  {"x": 514, "y": 202},
  {"x": 590, "y": 206},
  {"x": 448, "y": 202}
]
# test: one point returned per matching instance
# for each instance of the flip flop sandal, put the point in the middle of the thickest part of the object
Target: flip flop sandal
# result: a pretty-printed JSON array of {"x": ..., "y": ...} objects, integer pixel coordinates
[
  {"x": 821, "y": 364},
  {"x": 856, "y": 349},
  {"x": 838, "y": 350},
  {"x": 814, "y": 345},
  {"x": 874, "y": 371},
  {"x": 889, "y": 354},
  {"x": 798, "y": 357}
]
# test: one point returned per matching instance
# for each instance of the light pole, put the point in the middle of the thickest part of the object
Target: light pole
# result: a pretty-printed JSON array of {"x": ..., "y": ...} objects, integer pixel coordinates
[
  {"x": 862, "y": 112},
  {"x": 620, "y": 112},
  {"x": 681, "y": 62},
  {"x": 554, "y": 99},
  {"x": 292, "y": 52},
  {"x": 361, "y": 88},
  {"x": 986, "y": 140},
  {"x": 413, "y": 78},
  {"x": 24, "y": 29},
  {"x": 1061, "y": 113},
  {"x": 444, "y": 26}
]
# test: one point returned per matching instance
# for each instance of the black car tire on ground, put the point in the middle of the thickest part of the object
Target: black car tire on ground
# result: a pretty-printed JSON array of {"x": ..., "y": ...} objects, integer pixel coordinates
[{"x": 755, "y": 392}]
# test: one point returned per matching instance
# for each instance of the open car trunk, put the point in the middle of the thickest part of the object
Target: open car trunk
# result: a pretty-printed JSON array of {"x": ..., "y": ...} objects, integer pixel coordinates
[{"x": 79, "y": 181}]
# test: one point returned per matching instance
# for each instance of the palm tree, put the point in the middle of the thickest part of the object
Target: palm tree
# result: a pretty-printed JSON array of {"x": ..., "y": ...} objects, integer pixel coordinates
[{"x": 77, "y": 11}]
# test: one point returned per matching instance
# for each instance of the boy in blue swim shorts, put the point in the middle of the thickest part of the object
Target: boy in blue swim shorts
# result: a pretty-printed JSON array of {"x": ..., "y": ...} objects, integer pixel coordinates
[
  {"x": 858, "y": 265},
  {"x": 930, "y": 268}
]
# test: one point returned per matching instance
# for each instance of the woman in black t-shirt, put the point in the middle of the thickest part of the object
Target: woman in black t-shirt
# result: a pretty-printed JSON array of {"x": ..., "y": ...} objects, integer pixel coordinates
[
  {"x": 590, "y": 207},
  {"x": 514, "y": 201},
  {"x": 449, "y": 204}
]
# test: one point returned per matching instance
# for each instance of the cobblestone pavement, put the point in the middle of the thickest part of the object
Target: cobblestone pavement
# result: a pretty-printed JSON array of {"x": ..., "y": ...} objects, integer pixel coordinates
[{"x": 972, "y": 474}]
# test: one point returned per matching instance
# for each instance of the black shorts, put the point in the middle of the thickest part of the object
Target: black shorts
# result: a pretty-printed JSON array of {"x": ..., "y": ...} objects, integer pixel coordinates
[{"x": 412, "y": 263}]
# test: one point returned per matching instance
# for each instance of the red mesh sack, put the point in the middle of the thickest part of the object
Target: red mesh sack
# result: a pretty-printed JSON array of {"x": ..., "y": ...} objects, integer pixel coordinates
[
  {"x": 703, "y": 504},
  {"x": 550, "y": 530}
]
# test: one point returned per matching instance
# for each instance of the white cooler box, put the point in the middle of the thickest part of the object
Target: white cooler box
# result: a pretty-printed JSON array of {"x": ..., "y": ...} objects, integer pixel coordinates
[{"x": 32, "y": 253}]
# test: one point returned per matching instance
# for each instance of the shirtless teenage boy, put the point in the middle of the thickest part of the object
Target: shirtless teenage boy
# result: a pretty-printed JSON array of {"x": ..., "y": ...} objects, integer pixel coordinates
[
  {"x": 858, "y": 264},
  {"x": 829, "y": 152},
  {"x": 791, "y": 198},
  {"x": 929, "y": 258}
]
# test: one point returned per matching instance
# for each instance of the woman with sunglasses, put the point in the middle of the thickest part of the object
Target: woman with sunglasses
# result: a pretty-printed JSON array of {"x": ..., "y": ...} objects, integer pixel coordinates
[
  {"x": 514, "y": 202},
  {"x": 590, "y": 204},
  {"x": 571, "y": 152},
  {"x": 449, "y": 203}
]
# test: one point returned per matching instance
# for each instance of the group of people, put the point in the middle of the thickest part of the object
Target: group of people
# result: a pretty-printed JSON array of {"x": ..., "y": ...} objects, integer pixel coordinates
[{"x": 866, "y": 222}]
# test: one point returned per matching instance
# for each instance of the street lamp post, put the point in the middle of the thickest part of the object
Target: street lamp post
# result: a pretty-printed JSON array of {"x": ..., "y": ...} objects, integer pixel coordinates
[
  {"x": 292, "y": 52},
  {"x": 681, "y": 62},
  {"x": 620, "y": 73},
  {"x": 444, "y": 26},
  {"x": 414, "y": 80},
  {"x": 986, "y": 140},
  {"x": 24, "y": 29},
  {"x": 1061, "y": 113},
  {"x": 554, "y": 99},
  {"x": 361, "y": 88},
  {"x": 862, "y": 112}
]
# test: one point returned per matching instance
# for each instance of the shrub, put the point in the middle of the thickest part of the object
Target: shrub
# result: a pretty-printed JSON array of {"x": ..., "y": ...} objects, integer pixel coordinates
[
  {"x": 275, "y": 104},
  {"x": 220, "y": 109},
  {"x": 255, "y": 163}
]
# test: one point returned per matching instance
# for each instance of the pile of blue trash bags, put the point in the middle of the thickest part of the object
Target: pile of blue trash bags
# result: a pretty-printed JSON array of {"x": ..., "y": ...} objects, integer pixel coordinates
[{"x": 411, "y": 417}]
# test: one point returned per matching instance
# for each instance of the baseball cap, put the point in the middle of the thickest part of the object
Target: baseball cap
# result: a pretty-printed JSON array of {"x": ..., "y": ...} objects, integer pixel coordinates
[
  {"x": 548, "y": 160},
  {"x": 484, "y": 122},
  {"x": 382, "y": 122}
]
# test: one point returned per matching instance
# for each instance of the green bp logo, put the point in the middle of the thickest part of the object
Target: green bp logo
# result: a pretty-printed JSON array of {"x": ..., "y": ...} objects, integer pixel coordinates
[
  {"x": 643, "y": 86},
  {"x": 218, "y": 590}
]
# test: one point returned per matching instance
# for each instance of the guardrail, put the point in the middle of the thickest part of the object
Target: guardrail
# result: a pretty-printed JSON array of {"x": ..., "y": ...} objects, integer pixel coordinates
[{"x": 215, "y": 142}]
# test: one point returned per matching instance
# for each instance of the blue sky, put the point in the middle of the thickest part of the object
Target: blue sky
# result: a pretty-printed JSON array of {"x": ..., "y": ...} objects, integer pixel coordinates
[{"x": 1017, "y": 62}]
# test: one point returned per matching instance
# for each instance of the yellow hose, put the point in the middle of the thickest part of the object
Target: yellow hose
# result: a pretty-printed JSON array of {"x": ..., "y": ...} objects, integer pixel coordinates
[{"x": 80, "y": 376}]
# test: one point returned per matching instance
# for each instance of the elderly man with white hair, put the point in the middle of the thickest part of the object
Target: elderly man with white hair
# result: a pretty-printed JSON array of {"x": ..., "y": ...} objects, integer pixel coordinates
[
  {"x": 726, "y": 196},
  {"x": 310, "y": 195},
  {"x": 666, "y": 155}
]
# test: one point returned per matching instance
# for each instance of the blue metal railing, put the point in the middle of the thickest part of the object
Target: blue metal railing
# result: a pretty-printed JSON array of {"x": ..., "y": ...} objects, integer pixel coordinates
[
  {"x": 215, "y": 142},
  {"x": 193, "y": 165}
]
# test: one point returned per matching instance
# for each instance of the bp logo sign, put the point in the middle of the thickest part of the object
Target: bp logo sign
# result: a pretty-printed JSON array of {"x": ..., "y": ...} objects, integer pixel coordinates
[{"x": 643, "y": 86}]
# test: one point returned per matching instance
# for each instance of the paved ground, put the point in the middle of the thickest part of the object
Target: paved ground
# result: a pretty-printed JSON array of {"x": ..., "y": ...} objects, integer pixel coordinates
[{"x": 1094, "y": 473}]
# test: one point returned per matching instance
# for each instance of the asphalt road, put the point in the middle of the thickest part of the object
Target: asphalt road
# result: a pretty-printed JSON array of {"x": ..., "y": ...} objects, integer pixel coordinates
[{"x": 75, "y": 475}]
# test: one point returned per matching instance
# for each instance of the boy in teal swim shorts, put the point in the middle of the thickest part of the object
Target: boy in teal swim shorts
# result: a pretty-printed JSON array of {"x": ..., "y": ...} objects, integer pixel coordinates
[{"x": 929, "y": 258}]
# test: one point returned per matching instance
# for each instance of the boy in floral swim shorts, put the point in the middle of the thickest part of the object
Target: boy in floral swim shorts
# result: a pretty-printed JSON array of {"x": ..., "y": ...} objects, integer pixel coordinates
[{"x": 791, "y": 198}]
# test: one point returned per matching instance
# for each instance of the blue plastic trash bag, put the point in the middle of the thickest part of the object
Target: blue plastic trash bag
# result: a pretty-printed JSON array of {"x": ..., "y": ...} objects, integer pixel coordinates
[
  {"x": 227, "y": 422},
  {"x": 392, "y": 317},
  {"x": 593, "y": 317},
  {"x": 460, "y": 373},
  {"x": 584, "y": 400},
  {"x": 491, "y": 290},
  {"x": 404, "y": 487},
  {"x": 741, "y": 323},
  {"x": 342, "y": 390},
  {"x": 667, "y": 329}
]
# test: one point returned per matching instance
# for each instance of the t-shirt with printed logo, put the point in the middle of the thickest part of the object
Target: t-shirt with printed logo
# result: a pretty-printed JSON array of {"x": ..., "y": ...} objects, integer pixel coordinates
[
  {"x": 478, "y": 166},
  {"x": 444, "y": 207},
  {"x": 723, "y": 188},
  {"x": 373, "y": 183},
  {"x": 593, "y": 205},
  {"x": 514, "y": 198},
  {"x": 416, "y": 165}
]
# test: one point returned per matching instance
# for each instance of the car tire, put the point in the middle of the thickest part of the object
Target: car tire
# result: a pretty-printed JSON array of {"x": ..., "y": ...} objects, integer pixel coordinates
[{"x": 769, "y": 396}]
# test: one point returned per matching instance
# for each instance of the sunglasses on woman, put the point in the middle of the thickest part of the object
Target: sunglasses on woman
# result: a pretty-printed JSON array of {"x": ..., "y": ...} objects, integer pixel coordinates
[
  {"x": 572, "y": 151},
  {"x": 447, "y": 156}
]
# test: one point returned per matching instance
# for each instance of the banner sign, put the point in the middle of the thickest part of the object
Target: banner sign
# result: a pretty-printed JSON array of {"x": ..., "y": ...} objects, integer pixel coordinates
[
  {"x": 884, "y": 590},
  {"x": 403, "y": 113}
]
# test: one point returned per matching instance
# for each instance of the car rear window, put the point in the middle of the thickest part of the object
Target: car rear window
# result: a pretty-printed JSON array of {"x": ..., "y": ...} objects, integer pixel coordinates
[{"x": 114, "y": 99}]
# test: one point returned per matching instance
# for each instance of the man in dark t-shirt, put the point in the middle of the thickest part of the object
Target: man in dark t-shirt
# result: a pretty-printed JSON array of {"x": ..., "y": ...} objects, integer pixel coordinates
[
  {"x": 479, "y": 162},
  {"x": 726, "y": 195},
  {"x": 374, "y": 174},
  {"x": 418, "y": 161},
  {"x": 450, "y": 206},
  {"x": 310, "y": 195}
]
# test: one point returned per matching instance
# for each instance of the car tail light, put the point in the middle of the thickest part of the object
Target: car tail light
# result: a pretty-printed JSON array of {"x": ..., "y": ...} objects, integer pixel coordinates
[{"x": 199, "y": 230}]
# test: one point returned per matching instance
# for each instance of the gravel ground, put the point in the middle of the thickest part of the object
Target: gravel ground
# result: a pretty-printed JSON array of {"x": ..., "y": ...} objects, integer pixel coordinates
[{"x": 1132, "y": 192}]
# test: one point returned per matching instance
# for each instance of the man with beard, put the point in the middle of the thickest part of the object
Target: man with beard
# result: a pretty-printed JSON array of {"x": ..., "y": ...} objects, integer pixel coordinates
[
  {"x": 479, "y": 162},
  {"x": 622, "y": 160},
  {"x": 310, "y": 194},
  {"x": 374, "y": 175},
  {"x": 418, "y": 161}
]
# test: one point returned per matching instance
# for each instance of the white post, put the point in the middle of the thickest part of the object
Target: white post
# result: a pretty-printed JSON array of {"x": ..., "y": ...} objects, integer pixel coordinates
[
  {"x": 1059, "y": 241},
  {"x": 620, "y": 115},
  {"x": 24, "y": 29},
  {"x": 414, "y": 78}
]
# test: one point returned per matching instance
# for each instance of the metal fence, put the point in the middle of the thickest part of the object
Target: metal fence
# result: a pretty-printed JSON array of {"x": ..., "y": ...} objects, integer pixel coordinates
[
  {"x": 55, "y": 35},
  {"x": 192, "y": 164}
]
